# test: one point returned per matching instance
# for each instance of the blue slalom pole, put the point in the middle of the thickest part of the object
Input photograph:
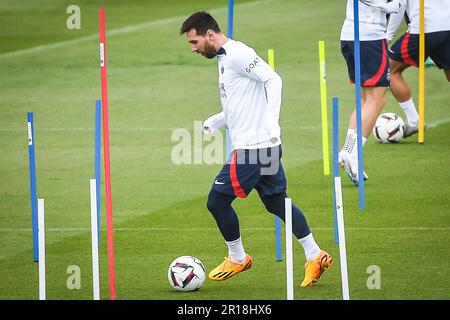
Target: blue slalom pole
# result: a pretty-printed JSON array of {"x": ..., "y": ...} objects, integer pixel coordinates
[
  {"x": 31, "y": 158},
  {"x": 230, "y": 18},
  {"x": 335, "y": 160},
  {"x": 358, "y": 106},
  {"x": 278, "y": 244},
  {"x": 98, "y": 130}
]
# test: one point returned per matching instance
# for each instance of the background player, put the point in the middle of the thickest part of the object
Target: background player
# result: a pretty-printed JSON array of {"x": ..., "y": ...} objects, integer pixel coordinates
[
  {"x": 374, "y": 71},
  {"x": 404, "y": 53}
]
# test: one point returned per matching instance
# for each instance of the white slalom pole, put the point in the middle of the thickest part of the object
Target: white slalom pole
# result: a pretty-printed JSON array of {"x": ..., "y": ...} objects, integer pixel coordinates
[
  {"x": 341, "y": 232},
  {"x": 41, "y": 239},
  {"x": 289, "y": 255},
  {"x": 94, "y": 237}
]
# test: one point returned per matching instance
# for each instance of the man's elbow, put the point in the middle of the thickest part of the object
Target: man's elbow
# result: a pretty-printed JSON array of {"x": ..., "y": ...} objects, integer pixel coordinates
[
  {"x": 278, "y": 80},
  {"x": 274, "y": 81}
]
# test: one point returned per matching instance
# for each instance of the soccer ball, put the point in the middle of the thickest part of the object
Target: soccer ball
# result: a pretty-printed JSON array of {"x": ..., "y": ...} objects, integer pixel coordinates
[
  {"x": 388, "y": 128},
  {"x": 186, "y": 273}
]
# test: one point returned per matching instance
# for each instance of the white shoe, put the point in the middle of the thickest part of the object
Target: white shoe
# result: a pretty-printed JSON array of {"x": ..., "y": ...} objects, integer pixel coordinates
[
  {"x": 409, "y": 130},
  {"x": 344, "y": 154},
  {"x": 340, "y": 164},
  {"x": 350, "y": 165}
]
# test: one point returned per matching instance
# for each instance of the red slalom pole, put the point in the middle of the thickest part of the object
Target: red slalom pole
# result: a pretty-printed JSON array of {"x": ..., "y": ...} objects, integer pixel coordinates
[{"x": 109, "y": 221}]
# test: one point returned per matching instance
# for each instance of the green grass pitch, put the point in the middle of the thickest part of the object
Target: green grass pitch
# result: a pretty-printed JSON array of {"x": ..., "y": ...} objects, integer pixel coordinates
[{"x": 159, "y": 209}]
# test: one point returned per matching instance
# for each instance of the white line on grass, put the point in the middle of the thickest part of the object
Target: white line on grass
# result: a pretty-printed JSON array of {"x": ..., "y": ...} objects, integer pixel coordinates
[
  {"x": 431, "y": 125},
  {"x": 113, "y": 32},
  {"x": 132, "y": 129},
  {"x": 87, "y": 129},
  {"x": 215, "y": 229},
  {"x": 437, "y": 123}
]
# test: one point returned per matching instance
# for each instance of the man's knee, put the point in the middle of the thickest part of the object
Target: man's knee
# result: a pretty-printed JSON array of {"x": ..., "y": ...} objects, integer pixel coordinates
[
  {"x": 375, "y": 97},
  {"x": 217, "y": 200},
  {"x": 212, "y": 202},
  {"x": 382, "y": 102},
  {"x": 397, "y": 67},
  {"x": 274, "y": 202}
]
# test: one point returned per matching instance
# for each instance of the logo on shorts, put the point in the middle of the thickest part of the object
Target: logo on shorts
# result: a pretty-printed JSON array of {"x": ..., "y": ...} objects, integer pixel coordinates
[{"x": 217, "y": 182}]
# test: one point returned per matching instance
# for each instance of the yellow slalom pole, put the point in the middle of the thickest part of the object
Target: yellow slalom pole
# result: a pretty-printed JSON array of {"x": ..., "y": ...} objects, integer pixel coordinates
[
  {"x": 270, "y": 57},
  {"x": 323, "y": 103},
  {"x": 421, "y": 137}
]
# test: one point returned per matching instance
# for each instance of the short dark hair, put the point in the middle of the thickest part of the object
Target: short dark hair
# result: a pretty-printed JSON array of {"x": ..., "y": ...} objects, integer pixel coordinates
[{"x": 200, "y": 21}]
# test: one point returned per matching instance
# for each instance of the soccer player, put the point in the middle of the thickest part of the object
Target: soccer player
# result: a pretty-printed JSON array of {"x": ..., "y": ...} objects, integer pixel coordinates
[
  {"x": 374, "y": 71},
  {"x": 404, "y": 53},
  {"x": 250, "y": 94}
]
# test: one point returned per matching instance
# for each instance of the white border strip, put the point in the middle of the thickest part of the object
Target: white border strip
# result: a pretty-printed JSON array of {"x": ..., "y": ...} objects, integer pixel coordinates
[
  {"x": 41, "y": 236},
  {"x": 341, "y": 233},
  {"x": 289, "y": 252},
  {"x": 94, "y": 240}
]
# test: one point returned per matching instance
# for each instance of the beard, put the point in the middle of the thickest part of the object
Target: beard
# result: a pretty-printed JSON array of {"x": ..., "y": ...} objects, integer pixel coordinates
[
  {"x": 209, "y": 54},
  {"x": 209, "y": 51}
]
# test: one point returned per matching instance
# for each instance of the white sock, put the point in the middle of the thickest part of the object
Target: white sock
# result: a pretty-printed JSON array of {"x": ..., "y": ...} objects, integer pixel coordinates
[
  {"x": 364, "y": 139},
  {"x": 236, "y": 250},
  {"x": 410, "y": 111},
  {"x": 354, "y": 145},
  {"x": 310, "y": 246}
]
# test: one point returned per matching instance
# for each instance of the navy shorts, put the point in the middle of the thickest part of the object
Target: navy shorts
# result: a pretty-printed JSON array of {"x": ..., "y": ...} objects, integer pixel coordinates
[
  {"x": 437, "y": 46},
  {"x": 375, "y": 70},
  {"x": 255, "y": 168}
]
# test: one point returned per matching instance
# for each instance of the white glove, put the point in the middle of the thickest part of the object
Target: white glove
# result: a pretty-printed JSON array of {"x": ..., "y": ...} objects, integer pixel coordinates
[{"x": 213, "y": 123}]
